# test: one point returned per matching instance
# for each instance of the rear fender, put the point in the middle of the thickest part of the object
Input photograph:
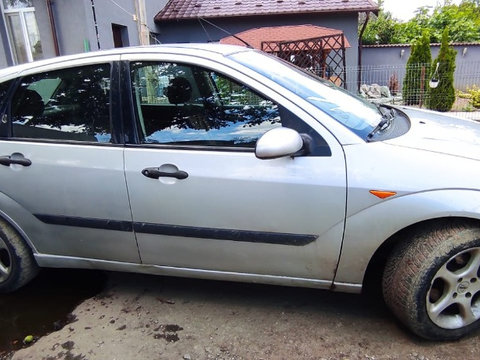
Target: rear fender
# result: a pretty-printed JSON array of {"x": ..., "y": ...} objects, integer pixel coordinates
[{"x": 20, "y": 219}]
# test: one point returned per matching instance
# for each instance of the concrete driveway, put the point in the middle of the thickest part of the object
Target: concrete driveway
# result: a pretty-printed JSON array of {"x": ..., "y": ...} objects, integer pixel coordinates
[{"x": 149, "y": 317}]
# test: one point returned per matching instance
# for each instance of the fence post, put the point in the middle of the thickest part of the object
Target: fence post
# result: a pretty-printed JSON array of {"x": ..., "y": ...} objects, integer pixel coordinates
[{"x": 422, "y": 85}]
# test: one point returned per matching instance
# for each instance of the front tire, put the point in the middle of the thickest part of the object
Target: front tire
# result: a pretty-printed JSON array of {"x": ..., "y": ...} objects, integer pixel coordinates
[
  {"x": 17, "y": 264},
  {"x": 432, "y": 282}
]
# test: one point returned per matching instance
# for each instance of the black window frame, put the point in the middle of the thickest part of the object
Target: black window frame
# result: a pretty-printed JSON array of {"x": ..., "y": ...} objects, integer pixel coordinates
[{"x": 5, "y": 128}]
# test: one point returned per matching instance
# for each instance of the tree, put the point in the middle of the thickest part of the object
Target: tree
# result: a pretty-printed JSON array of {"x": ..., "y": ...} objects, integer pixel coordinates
[
  {"x": 463, "y": 21},
  {"x": 415, "y": 78},
  {"x": 443, "y": 96},
  {"x": 380, "y": 29}
]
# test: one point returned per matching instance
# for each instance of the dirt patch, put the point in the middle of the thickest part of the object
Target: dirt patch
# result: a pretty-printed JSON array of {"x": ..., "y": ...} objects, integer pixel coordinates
[
  {"x": 44, "y": 306},
  {"x": 218, "y": 320}
]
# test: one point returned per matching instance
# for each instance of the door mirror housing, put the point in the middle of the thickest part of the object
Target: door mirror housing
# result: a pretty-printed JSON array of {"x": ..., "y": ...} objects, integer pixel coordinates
[{"x": 278, "y": 142}]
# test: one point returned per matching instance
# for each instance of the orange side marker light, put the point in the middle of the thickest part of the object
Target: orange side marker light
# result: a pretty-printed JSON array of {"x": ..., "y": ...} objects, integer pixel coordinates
[{"x": 382, "y": 194}]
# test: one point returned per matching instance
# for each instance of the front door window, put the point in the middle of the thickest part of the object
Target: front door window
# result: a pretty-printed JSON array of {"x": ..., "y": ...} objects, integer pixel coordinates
[{"x": 180, "y": 104}]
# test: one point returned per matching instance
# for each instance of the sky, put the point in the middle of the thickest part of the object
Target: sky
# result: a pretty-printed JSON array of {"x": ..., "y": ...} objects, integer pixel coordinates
[{"x": 404, "y": 9}]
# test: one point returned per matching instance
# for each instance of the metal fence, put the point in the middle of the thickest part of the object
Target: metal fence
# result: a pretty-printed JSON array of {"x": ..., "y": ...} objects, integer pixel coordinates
[{"x": 385, "y": 84}]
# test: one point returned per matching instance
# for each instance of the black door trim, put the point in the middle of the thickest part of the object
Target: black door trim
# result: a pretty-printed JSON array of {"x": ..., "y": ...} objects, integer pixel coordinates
[
  {"x": 225, "y": 234},
  {"x": 262, "y": 237}
]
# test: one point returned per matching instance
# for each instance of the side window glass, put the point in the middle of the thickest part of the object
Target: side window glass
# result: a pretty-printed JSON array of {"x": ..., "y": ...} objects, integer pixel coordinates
[
  {"x": 67, "y": 104},
  {"x": 188, "y": 105}
]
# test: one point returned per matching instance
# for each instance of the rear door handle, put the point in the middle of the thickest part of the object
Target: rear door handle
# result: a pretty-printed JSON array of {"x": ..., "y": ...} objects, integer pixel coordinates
[
  {"x": 15, "y": 158},
  {"x": 155, "y": 173}
]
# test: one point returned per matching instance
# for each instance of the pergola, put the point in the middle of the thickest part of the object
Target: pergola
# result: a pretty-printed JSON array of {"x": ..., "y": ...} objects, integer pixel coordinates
[{"x": 318, "y": 49}]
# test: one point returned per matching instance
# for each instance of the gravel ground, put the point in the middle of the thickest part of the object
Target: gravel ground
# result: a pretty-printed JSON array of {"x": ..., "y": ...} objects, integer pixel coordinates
[{"x": 151, "y": 317}]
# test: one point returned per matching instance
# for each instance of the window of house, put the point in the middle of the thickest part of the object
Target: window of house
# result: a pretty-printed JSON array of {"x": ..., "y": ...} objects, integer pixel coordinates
[
  {"x": 120, "y": 36},
  {"x": 67, "y": 104},
  {"x": 23, "y": 30}
]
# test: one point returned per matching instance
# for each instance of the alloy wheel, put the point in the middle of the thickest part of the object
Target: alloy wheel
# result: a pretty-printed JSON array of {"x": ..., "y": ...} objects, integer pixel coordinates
[{"x": 453, "y": 300}]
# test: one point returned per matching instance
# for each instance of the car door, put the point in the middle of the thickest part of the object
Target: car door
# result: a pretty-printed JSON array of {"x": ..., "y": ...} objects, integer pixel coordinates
[
  {"x": 203, "y": 204},
  {"x": 61, "y": 167}
]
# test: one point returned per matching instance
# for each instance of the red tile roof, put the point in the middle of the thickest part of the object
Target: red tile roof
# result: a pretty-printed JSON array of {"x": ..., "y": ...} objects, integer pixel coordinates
[
  {"x": 283, "y": 33},
  {"x": 192, "y": 9}
]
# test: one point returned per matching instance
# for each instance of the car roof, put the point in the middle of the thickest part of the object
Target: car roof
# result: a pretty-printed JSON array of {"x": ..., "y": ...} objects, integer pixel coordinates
[{"x": 190, "y": 48}]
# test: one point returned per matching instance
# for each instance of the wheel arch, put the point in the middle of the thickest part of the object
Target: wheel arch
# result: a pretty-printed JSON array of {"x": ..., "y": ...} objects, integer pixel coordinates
[
  {"x": 7, "y": 206},
  {"x": 372, "y": 278}
]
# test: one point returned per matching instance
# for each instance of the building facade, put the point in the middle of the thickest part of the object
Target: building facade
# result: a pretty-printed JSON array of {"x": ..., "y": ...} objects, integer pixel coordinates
[{"x": 37, "y": 29}]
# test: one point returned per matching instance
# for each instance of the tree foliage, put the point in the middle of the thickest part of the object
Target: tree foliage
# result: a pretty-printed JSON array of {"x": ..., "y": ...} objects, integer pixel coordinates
[
  {"x": 443, "y": 96},
  {"x": 463, "y": 20},
  {"x": 418, "y": 68}
]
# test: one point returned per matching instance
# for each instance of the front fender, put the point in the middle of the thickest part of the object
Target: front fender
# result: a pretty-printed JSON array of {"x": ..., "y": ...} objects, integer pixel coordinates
[{"x": 368, "y": 229}]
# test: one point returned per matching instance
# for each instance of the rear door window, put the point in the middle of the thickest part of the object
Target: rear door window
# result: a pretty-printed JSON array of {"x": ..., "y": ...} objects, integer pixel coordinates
[{"x": 70, "y": 104}]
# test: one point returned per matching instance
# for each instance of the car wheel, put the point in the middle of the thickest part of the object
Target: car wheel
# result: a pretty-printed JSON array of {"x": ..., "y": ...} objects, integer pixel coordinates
[
  {"x": 17, "y": 265},
  {"x": 432, "y": 283}
]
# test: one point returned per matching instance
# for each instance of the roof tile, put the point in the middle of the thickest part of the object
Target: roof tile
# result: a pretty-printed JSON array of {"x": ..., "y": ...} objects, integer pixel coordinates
[{"x": 192, "y": 9}]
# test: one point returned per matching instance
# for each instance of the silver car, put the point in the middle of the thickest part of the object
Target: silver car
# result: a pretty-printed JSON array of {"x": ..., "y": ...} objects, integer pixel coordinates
[{"x": 221, "y": 162}]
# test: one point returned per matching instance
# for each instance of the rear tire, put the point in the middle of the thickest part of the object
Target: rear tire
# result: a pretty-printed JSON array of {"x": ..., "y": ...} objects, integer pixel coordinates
[
  {"x": 432, "y": 282},
  {"x": 17, "y": 264}
]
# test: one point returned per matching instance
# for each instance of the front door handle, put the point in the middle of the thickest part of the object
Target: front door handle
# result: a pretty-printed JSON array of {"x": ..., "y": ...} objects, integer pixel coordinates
[
  {"x": 156, "y": 173},
  {"x": 15, "y": 158}
]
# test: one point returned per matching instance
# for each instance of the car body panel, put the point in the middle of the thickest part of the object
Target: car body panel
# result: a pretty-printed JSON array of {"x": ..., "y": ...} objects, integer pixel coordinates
[
  {"x": 70, "y": 181},
  {"x": 437, "y": 132},
  {"x": 367, "y": 230},
  {"x": 83, "y": 263},
  {"x": 423, "y": 192},
  {"x": 238, "y": 192}
]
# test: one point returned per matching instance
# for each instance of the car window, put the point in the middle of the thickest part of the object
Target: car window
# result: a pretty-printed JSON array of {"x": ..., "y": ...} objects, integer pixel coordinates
[
  {"x": 188, "y": 105},
  {"x": 68, "y": 104}
]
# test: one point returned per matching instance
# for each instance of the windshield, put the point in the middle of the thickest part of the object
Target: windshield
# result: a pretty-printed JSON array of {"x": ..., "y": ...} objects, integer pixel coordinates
[{"x": 358, "y": 115}]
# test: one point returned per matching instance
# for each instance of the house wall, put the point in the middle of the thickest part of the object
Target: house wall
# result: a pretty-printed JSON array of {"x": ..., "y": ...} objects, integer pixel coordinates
[
  {"x": 75, "y": 21},
  {"x": 152, "y": 8},
  {"x": 392, "y": 55},
  {"x": 107, "y": 13},
  {"x": 192, "y": 30},
  {"x": 76, "y": 28},
  {"x": 43, "y": 22}
]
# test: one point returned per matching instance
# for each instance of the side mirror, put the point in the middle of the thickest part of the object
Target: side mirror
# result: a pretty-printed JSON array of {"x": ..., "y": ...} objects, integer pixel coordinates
[{"x": 278, "y": 142}]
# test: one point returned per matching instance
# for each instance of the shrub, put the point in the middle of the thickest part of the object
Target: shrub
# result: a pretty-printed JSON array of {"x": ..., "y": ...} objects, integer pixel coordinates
[
  {"x": 442, "y": 97},
  {"x": 420, "y": 56},
  {"x": 474, "y": 96}
]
